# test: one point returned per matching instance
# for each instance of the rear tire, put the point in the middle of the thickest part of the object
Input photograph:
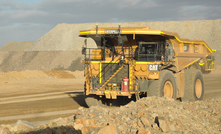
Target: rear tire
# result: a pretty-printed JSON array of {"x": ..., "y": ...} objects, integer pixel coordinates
[
  {"x": 194, "y": 85},
  {"x": 164, "y": 87}
]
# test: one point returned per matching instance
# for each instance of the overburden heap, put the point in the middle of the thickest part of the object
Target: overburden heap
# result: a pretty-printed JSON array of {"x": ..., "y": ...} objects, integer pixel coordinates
[
  {"x": 153, "y": 115},
  {"x": 146, "y": 116}
]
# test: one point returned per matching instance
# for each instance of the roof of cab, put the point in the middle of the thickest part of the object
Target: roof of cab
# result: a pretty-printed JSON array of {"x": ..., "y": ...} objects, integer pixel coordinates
[{"x": 125, "y": 30}]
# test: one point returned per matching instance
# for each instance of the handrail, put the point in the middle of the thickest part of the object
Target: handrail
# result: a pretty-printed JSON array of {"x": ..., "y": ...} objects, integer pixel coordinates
[{"x": 109, "y": 69}]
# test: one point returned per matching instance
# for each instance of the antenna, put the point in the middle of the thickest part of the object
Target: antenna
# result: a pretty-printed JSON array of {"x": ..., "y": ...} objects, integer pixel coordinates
[{"x": 96, "y": 29}]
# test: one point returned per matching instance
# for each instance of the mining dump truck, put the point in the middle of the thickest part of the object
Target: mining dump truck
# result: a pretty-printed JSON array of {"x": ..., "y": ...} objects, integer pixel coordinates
[{"x": 138, "y": 61}]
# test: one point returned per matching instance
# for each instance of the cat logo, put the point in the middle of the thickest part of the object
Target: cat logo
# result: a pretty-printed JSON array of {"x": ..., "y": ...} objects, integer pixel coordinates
[{"x": 153, "y": 67}]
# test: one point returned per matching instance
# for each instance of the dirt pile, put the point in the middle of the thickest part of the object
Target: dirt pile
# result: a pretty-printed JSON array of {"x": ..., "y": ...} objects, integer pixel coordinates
[
  {"x": 44, "y": 60},
  {"x": 32, "y": 74},
  {"x": 14, "y": 75},
  {"x": 16, "y": 46},
  {"x": 154, "y": 115},
  {"x": 59, "y": 74},
  {"x": 148, "y": 115}
]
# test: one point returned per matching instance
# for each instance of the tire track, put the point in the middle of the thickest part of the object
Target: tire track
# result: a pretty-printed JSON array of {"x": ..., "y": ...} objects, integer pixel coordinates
[{"x": 38, "y": 97}]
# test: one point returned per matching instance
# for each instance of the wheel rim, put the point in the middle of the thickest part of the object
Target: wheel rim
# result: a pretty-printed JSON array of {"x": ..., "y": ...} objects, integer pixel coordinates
[
  {"x": 198, "y": 88},
  {"x": 168, "y": 89}
]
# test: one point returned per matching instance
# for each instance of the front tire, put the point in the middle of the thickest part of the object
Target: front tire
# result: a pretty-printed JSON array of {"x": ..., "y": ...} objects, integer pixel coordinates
[
  {"x": 164, "y": 87},
  {"x": 92, "y": 100}
]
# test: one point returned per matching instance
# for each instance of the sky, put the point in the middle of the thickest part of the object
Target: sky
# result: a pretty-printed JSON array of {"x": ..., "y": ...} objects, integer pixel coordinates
[{"x": 29, "y": 20}]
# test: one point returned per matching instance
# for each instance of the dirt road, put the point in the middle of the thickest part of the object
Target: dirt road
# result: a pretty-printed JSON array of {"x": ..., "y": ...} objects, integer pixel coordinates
[{"x": 37, "y": 100}]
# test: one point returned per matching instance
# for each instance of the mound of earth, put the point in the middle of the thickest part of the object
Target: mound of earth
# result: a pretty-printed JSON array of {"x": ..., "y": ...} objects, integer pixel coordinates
[
  {"x": 40, "y": 60},
  {"x": 14, "y": 75},
  {"x": 16, "y": 46},
  {"x": 31, "y": 74},
  {"x": 146, "y": 116},
  {"x": 59, "y": 74}
]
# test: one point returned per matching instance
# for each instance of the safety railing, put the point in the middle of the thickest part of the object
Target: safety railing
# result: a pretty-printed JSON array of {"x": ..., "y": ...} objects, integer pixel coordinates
[{"x": 92, "y": 54}]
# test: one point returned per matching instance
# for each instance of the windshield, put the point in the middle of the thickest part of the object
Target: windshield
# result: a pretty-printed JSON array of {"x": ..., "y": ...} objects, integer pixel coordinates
[
  {"x": 148, "y": 49},
  {"x": 151, "y": 51}
]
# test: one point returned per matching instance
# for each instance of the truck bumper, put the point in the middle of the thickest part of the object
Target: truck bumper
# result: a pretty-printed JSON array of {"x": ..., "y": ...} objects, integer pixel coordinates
[{"x": 110, "y": 94}]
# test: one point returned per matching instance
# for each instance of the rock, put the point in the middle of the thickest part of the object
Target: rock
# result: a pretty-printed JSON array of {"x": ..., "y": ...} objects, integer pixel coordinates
[
  {"x": 145, "y": 122},
  {"x": 108, "y": 130},
  {"x": 78, "y": 126},
  {"x": 90, "y": 122},
  {"x": 137, "y": 117},
  {"x": 144, "y": 131},
  {"x": 133, "y": 130},
  {"x": 23, "y": 126},
  {"x": 60, "y": 130},
  {"x": 85, "y": 130},
  {"x": 4, "y": 130},
  {"x": 154, "y": 115},
  {"x": 155, "y": 126},
  {"x": 52, "y": 124},
  {"x": 91, "y": 115},
  {"x": 163, "y": 124}
]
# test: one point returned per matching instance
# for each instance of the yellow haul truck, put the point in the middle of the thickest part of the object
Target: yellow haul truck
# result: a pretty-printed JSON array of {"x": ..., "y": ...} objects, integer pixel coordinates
[{"x": 130, "y": 62}]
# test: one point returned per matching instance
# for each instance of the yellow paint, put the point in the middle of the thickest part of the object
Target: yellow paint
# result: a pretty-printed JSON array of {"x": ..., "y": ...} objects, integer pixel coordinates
[
  {"x": 130, "y": 76},
  {"x": 194, "y": 43},
  {"x": 135, "y": 31},
  {"x": 85, "y": 32},
  {"x": 129, "y": 31},
  {"x": 191, "y": 63},
  {"x": 109, "y": 61},
  {"x": 95, "y": 61},
  {"x": 100, "y": 72},
  {"x": 182, "y": 48},
  {"x": 201, "y": 64},
  {"x": 143, "y": 62}
]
